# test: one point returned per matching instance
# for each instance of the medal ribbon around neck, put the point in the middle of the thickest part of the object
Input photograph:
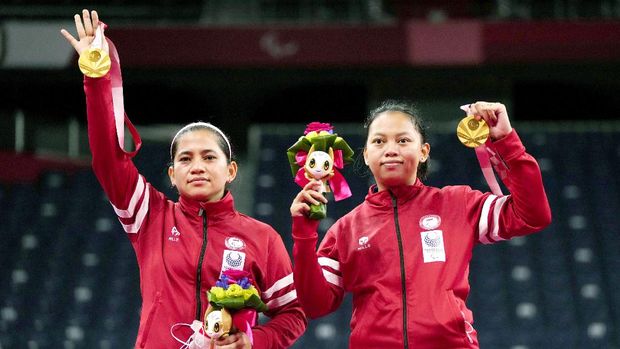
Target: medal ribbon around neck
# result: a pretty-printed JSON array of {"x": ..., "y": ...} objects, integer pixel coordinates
[{"x": 474, "y": 133}]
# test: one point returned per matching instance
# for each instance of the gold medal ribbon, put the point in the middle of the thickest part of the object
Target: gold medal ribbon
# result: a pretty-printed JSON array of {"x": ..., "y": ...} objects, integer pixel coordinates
[
  {"x": 474, "y": 134},
  {"x": 117, "y": 104}
]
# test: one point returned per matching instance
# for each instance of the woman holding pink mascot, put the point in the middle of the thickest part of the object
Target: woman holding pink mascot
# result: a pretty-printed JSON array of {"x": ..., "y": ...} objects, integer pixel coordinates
[
  {"x": 404, "y": 252},
  {"x": 184, "y": 248}
]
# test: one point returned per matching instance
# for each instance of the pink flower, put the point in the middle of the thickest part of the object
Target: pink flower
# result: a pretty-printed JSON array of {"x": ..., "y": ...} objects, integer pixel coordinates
[
  {"x": 235, "y": 275},
  {"x": 318, "y": 127}
]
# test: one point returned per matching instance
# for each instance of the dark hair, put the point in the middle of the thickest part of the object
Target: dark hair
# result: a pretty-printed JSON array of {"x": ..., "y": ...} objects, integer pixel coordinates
[
  {"x": 222, "y": 139},
  {"x": 410, "y": 110}
]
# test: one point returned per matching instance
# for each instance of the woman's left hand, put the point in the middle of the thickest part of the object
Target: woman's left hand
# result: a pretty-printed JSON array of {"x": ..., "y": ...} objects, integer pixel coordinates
[
  {"x": 86, "y": 26},
  {"x": 238, "y": 340},
  {"x": 495, "y": 115}
]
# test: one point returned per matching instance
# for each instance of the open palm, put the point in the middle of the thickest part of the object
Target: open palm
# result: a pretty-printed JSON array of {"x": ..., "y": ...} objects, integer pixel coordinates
[{"x": 86, "y": 26}]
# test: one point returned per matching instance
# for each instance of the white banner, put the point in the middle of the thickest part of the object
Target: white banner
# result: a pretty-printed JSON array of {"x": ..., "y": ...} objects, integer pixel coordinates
[{"x": 35, "y": 45}]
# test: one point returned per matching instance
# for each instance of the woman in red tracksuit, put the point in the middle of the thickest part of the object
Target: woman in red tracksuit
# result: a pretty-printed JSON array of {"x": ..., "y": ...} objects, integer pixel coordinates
[
  {"x": 182, "y": 247},
  {"x": 404, "y": 252}
]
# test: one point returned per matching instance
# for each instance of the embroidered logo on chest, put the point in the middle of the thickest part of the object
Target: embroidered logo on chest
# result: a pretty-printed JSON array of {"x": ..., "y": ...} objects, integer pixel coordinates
[
  {"x": 430, "y": 222},
  {"x": 174, "y": 234},
  {"x": 234, "y": 243},
  {"x": 363, "y": 243},
  {"x": 234, "y": 260},
  {"x": 432, "y": 246}
]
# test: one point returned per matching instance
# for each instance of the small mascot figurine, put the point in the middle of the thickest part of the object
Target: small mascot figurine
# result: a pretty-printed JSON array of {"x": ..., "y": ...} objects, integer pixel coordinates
[
  {"x": 318, "y": 155},
  {"x": 218, "y": 322},
  {"x": 233, "y": 306}
]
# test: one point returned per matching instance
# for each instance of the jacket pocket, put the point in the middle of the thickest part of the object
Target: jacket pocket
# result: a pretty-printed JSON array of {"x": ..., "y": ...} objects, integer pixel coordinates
[
  {"x": 464, "y": 326},
  {"x": 149, "y": 320}
]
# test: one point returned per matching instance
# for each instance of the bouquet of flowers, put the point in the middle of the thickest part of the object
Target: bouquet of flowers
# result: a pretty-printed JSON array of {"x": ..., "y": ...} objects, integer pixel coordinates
[
  {"x": 233, "y": 305},
  {"x": 318, "y": 155}
]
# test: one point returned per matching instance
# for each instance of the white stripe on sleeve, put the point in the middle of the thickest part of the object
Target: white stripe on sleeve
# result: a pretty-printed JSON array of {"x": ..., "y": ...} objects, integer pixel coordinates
[
  {"x": 278, "y": 285},
  {"x": 282, "y": 300},
  {"x": 332, "y": 263},
  {"x": 135, "y": 197},
  {"x": 332, "y": 278},
  {"x": 144, "y": 207}
]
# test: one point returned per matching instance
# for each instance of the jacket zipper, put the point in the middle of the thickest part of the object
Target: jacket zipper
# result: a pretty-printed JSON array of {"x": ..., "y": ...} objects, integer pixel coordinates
[
  {"x": 200, "y": 260},
  {"x": 402, "y": 269}
]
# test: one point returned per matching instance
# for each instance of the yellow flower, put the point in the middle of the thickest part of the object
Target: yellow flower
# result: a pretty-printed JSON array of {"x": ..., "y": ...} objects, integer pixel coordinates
[
  {"x": 234, "y": 290},
  {"x": 246, "y": 294},
  {"x": 314, "y": 134},
  {"x": 311, "y": 135},
  {"x": 218, "y": 292},
  {"x": 249, "y": 292}
]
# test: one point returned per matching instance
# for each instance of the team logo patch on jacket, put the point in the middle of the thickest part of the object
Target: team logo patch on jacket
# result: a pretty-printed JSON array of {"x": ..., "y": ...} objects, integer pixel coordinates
[
  {"x": 430, "y": 222},
  {"x": 174, "y": 234},
  {"x": 234, "y": 243},
  {"x": 432, "y": 246},
  {"x": 233, "y": 260},
  {"x": 363, "y": 243}
]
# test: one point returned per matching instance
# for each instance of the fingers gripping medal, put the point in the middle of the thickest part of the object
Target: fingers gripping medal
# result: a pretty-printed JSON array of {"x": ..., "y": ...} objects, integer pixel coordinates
[
  {"x": 94, "y": 62},
  {"x": 471, "y": 132}
]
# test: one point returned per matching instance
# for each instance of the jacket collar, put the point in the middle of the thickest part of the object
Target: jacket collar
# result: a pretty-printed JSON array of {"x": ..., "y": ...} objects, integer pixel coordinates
[
  {"x": 215, "y": 210},
  {"x": 402, "y": 193}
]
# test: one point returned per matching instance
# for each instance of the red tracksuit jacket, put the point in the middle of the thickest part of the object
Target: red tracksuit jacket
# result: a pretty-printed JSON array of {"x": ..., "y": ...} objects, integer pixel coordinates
[
  {"x": 404, "y": 254},
  {"x": 171, "y": 238}
]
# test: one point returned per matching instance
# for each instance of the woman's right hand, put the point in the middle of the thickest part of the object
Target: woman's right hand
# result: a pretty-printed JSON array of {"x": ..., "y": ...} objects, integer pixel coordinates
[
  {"x": 309, "y": 195},
  {"x": 85, "y": 27}
]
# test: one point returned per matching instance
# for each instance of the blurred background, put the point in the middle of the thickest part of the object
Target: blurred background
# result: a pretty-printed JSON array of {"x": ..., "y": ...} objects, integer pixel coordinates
[{"x": 261, "y": 70}]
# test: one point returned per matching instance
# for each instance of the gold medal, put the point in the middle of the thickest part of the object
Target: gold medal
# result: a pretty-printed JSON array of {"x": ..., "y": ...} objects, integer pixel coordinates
[
  {"x": 471, "y": 132},
  {"x": 94, "y": 62}
]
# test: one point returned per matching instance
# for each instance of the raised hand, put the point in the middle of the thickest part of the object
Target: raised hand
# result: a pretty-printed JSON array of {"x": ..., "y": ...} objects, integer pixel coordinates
[
  {"x": 496, "y": 117},
  {"x": 86, "y": 25},
  {"x": 309, "y": 195}
]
